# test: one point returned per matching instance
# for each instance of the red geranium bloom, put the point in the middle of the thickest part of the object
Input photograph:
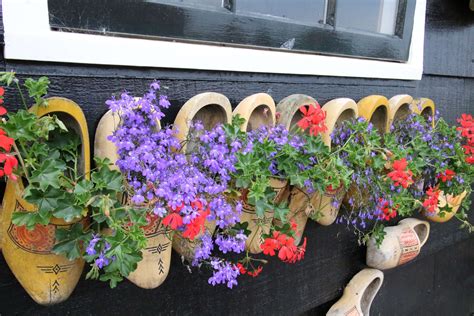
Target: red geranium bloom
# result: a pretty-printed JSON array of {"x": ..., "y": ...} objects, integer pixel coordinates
[
  {"x": 313, "y": 118},
  {"x": 196, "y": 226},
  {"x": 269, "y": 246},
  {"x": 241, "y": 268},
  {"x": 447, "y": 175},
  {"x": 470, "y": 160},
  {"x": 431, "y": 202},
  {"x": 467, "y": 127},
  {"x": 287, "y": 250},
  {"x": 10, "y": 163},
  {"x": 399, "y": 175},
  {"x": 173, "y": 220},
  {"x": 255, "y": 272},
  {"x": 6, "y": 142}
]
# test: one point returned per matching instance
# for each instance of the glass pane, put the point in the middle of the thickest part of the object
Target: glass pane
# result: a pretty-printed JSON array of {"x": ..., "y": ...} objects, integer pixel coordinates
[
  {"x": 377, "y": 16},
  {"x": 300, "y": 11},
  {"x": 204, "y": 4}
]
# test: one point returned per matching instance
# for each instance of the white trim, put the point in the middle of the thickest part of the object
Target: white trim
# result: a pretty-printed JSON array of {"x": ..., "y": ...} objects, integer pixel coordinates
[{"x": 29, "y": 37}]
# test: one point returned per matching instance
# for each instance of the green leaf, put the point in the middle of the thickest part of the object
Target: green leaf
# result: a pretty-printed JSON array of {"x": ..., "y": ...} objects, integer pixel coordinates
[
  {"x": 68, "y": 241},
  {"x": 108, "y": 180},
  {"x": 48, "y": 174},
  {"x": 29, "y": 219},
  {"x": 67, "y": 210},
  {"x": 46, "y": 201},
  {"x": 37, "y": 89}
]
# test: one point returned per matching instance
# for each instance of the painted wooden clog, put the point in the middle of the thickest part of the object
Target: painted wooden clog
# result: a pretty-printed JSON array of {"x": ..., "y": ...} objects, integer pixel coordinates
[
  {"x": 258, "y": 110},
  {"x": 454, "y": 202},
  {"x": 288, "y": 114},
  {"x": 374, "y": 108},
  {"x": 260, "y": 226},
  {"x": 402, "y": 243},
  {"x": 46, "y": 277},
  {"x": 399, "y": 107},
  {"x": 153, "y": 269},
  {"x": 358, "y": 294},
  {"x": 328, "y": 204},
  {"x": 425, "y": 107},
  {"x": 210, "y": 109}
]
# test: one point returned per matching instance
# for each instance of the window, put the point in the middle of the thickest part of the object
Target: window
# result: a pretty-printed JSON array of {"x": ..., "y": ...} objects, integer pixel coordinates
[
  {"x": 379, "y": 29},
  {"x": 93, "y": 35}
]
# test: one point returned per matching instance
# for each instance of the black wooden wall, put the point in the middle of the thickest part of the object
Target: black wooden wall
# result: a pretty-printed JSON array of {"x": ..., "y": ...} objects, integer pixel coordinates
[{"x": 439, "y": 282}]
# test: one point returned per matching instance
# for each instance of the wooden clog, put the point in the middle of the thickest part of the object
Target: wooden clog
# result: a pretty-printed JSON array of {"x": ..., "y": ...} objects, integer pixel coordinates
[
  {"x": 374, "y": 108},
  {"x": 398, "y": 108},
  {"x": 46, "y": 277}
]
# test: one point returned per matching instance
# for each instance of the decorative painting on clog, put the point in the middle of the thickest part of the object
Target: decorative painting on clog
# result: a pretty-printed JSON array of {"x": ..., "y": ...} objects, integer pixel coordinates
[
  {"x": 48, "y": 278},
  {"x": 402, "y": 243}
]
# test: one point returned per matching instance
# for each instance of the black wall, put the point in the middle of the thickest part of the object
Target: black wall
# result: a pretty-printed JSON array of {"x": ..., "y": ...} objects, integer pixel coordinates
[{"x": 439, "y": 282}]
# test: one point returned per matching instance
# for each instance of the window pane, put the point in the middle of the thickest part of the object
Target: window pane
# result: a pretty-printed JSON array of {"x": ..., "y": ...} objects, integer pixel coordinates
[
  {"x": 301, "y": 11},
  {"x": 377, "y": 16}
]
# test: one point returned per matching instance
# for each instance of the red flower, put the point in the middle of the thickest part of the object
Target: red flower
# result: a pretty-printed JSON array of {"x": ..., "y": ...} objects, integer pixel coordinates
[
  {"x": 241, "y": 268},
  {"x": 294, "y": 226},
  {"x": 399, "y": 175},
  {"x": 313, "y": 118},
  {"x": 269, "y": 246},
  {"x": 6, "y": 142},
  {"x": 287, "y": 250},
  {"x": 447, "y": 175},
  {"x": 386, "y": 212},
  {"x": 431, "y": 202},
  {"x": 467, "y": 127},
  {"x": 174, "y": 220},
  {"x": 255, "y": 272},
  {"x": 196, "y": 226},
  {"x": 10, "y": 163}
]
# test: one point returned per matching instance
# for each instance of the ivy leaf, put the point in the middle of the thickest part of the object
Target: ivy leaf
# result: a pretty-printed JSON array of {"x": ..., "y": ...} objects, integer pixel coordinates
[
  {"x": 48, "y": 174},
  {"x": 46, "y": 201},
  {"x": 69, "y": 241},
  {"x": 67, "y": 210},
  {"x": 37, "y": 89},
  {"x": 83, "y": 191},
  {"x": 108, "y": 180},
  {"x": 29, "y": 219}
]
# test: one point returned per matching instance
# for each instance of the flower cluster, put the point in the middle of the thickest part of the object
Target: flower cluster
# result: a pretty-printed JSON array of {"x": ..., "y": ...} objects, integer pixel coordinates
[
  {"x": 285, "y": 246},
  {"x": 313, "y": 118},
  {"x": 401, "y": 176},
  {"x": 467, "y": 131},
  {"x": 431, "y": 201},
  {"x": 7, "y": 158}
]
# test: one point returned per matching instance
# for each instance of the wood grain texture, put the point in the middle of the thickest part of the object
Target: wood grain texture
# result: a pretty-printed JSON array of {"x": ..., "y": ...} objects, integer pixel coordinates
[{"x": 449, "y": 38}]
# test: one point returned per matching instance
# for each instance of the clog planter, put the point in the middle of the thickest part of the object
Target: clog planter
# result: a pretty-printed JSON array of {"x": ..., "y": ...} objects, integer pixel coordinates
[
  {"x": 210, "y": 109},
  {"x": 402, "y": 243},
  {"x": 48, "y": 278},
  {"x": 289, "y": 115},
  {"x": 399, "y": 108},
  {"x": 153, "y": 269},
  {"x": 374, "y": 108},
  {"x": 259, "y": 110},
  {"x": 453, "y": 202},
  {"x": 328, "y": 204},
  {"x": 424, "y": 107},
  {"x": 358, "y": 294}
]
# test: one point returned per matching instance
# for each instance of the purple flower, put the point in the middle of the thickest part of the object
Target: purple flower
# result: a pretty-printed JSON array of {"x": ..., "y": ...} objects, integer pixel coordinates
[{"x": 224, "y": 273}]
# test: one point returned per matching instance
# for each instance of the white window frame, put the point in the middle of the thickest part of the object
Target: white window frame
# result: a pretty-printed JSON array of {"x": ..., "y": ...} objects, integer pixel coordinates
[{"x": 28, "y": 36}]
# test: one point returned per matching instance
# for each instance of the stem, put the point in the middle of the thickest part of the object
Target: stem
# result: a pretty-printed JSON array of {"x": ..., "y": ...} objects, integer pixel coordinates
[
  {"x": 21, "y": 94},
  {"x": 22, "y": 163}
]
